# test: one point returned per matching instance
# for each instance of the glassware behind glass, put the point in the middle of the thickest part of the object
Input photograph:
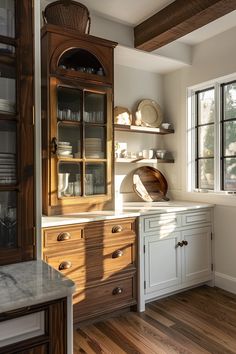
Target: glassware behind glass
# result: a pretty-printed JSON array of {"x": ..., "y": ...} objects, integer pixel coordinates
[{"x": 8, "y": 226}]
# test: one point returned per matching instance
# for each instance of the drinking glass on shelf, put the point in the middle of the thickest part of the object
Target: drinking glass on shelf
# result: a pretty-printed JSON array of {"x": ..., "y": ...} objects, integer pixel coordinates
[
  {"x": 63, "y": 180},
  {"x": 8, "y": 222}
]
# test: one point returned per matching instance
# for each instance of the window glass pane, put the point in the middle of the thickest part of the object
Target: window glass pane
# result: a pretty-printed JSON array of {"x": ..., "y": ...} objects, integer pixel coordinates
[
  {"x": 230, "y": 138},
  {"x": 69, "y": 140},
  {"x": 206, "y": 173},
  {"x": 206, "y": 141},
  {"x": 7, "y": 152},
  {"x": 230, "y": 174},
  {"x": 69, "y": 103},
  {"x": 8, "y": 220},
  {"x": 206, "y": 106},
  {"x": 95, "y": 180},
  {"x": 69, "y": 180},
  {"x": 7, "y": 18},
  {"x": 230, "y": 101}
]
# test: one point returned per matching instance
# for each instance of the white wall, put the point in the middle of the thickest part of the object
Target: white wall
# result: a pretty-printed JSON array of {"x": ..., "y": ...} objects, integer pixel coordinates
[
  {"x": 131, "y": 86},
  {"x": 211, "y": 59}
]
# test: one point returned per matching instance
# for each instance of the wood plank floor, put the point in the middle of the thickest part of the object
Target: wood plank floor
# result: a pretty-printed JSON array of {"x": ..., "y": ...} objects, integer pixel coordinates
[{"x": 200, "y": 320}]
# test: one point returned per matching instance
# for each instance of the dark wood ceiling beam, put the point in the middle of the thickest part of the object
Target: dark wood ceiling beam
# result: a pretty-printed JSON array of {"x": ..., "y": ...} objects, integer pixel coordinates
[{"x": 178, "y": 19}]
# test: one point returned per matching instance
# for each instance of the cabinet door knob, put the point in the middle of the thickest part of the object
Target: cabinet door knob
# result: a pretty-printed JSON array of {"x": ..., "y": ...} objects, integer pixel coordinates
[
  {"x": 65, "y": 265},
  {"x": 185, "y": 243},
  {"x": 117, "y": 254},
  {"x": 117, "y": 291},
  {"x": 116, "y": 229},
  {"x": 63, "y": 236},
  {"x": 180, "y": 244}
]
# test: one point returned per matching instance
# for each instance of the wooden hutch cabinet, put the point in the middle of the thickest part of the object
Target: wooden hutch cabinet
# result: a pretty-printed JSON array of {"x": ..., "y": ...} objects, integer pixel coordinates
[
  {"x": 16, "y": 131},
  {"x": 77, "y": 129}
]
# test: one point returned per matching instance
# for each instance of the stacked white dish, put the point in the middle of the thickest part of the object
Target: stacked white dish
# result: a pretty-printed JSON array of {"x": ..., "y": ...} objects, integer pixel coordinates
[
  {"x": 7, "y": 168},
  {"x": 7, "y": 106},
  {"x": 93, "y": 148},
  {"x": 64, "y": 149}
]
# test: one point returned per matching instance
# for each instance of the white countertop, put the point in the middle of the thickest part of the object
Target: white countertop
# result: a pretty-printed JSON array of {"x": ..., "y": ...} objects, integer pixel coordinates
[
  {"x": 131, "y": 209},
  {"x": 30, "y": 283},
  {"x": 146, "y": 208}
]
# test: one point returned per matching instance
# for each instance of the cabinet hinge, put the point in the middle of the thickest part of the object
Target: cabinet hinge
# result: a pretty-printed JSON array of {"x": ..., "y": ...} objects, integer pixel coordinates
[
  {"x": 34, "y": 236},
  {"x": 144, "y": 249},
  {"x": 33, "y": 115},
  {"x": 144, "y": 284},
  {"x": 212, "y": 268}
]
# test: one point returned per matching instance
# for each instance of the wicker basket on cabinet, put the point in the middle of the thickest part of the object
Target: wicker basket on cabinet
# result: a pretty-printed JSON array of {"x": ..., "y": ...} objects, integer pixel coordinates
[{"x": 67, "y": 13}]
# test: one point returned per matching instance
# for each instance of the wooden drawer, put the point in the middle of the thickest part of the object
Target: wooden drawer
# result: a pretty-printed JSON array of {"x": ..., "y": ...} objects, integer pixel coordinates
[
  {"x": 94, "y": 264},
  {"x": 161, "y": 220},
  {"x": 196, "y": 218},
  {"x": 110, "y": 232},
  {"x": 104, "y": 298},
  {"x": 63, "y": 237}
]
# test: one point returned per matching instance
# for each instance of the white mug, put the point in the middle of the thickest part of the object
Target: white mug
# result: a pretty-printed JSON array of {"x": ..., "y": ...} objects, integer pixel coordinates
[{"x": 147, "y": 154}]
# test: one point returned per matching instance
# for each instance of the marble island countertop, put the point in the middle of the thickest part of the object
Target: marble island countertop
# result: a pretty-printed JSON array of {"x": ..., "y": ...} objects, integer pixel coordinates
[
  {"x": 30, "y": 283},
  {"x": 128, "y": 209}
]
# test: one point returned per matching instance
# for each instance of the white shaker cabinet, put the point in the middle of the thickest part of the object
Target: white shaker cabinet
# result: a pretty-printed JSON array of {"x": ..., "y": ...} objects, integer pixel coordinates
[{"x": 174, "y": 252}]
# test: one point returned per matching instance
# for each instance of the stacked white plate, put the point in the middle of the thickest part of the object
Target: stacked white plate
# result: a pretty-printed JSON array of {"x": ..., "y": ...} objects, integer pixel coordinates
[
  {"x": 64, "y": 149},
  {"x": 7, "y": 168},
  {"x": 7, "y": 106},
  {"x": 93, "y": 148}
]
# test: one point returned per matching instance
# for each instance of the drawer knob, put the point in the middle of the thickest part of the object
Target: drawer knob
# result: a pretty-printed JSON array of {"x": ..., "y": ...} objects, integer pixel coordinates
[
  {"x": 117, "y": 291},
  {"x": 116, "y": 229},
  {"x": 117, "y": 254},
  {"x": 185, "y": 243},
  {"x": 63, "y": 236},
  {"x": 180, "y": 244},
  {"x": 65, "y": 265}
]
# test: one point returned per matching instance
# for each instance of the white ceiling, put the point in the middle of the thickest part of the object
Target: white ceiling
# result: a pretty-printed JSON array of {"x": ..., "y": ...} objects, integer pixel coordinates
[{"x": 132, "y": 12}]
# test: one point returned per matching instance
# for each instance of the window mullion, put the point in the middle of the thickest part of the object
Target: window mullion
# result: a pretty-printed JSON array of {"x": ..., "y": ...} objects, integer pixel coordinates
[{"x": 218, "y": 140}]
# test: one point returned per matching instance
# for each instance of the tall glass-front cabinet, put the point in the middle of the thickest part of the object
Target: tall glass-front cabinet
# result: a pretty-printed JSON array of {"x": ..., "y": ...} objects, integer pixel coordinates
[
  {"x": 16, "y": 131},
  {"x": 77, "y": 101}
]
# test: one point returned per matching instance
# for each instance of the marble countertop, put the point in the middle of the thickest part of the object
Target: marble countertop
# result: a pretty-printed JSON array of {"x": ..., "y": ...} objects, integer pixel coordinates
[
  {"x": 131, "y": 209},
  {"x": 30, "y": 283}
]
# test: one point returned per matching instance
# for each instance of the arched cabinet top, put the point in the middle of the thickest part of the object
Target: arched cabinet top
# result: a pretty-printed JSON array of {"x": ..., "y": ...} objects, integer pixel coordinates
[{"x": 82, "y": 61}]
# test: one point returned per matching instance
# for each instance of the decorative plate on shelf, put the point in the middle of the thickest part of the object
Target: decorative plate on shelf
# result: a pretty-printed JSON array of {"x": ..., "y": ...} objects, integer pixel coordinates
[
  {"x": 150, "y": 114},
  {"x": 122, "y": 116}
]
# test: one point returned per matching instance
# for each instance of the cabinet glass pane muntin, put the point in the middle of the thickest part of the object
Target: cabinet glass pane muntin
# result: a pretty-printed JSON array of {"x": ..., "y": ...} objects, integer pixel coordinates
[
  {"x": 69, "y": 179},
  {"x": 7, "y": 152},
  {"x": 69, "y": 140},
  {"x": 95, "y": 178},
  {"x": 95, "y": 142},
  {"x": 94, "y": 107},
  {"x": 8, "y": 219},
  {"x": 7, "y": 18},
  {"x": 69, "y": 101}
]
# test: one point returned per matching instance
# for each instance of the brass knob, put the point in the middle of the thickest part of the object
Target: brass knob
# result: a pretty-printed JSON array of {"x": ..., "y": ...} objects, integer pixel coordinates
[
  {"x": 180, "y": 244},
  {"x": 65, "y": 265},
  {"x": 116, "y": 229},
  {"x": 185, "y": 243},
  {"x": 117, "y": 254},
  {"x": 63, "y": 236},
  {"x": 117, "y": 291}
]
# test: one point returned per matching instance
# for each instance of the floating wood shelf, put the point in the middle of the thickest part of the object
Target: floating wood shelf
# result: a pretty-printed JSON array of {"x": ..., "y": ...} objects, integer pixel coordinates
[
  {"x": 138, "y": 129},
  {"x": 152, "y": 161}
]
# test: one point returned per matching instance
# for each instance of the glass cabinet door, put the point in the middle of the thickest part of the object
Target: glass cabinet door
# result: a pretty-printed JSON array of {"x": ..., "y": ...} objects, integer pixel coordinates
[
  {"x": 8, "y": 128},
  {"x": 81, "y": 142}
]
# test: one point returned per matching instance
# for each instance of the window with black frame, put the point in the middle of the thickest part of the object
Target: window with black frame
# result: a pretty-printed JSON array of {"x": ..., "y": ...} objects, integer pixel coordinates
[{"x": 213, "y": 137}]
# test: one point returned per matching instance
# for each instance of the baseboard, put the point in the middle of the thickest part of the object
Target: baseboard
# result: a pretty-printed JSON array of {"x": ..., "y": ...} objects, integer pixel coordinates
[{"x": 225, "y": 282}]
